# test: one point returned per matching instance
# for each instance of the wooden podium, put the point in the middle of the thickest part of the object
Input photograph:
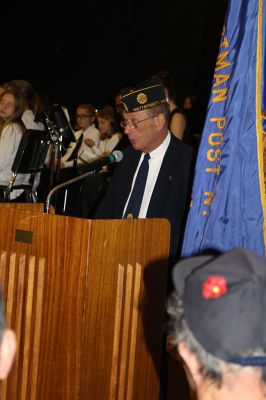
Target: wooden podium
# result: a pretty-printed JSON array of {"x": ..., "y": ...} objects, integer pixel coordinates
[{"x": 86, "y": 300}]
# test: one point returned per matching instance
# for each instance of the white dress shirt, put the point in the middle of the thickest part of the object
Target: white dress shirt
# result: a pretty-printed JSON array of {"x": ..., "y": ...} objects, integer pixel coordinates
[
  {"x": 89, "y": 133},
  {"x": 9, "y": 143},
  {"x": 155, "y": 162},
  {"x": 104, "y": 148}
]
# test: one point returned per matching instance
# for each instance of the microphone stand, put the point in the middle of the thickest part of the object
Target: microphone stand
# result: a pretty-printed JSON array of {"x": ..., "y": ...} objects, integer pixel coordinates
[
  {"x": 56, "y": 150},
  {"x": 61, "y": 127},
  {"x": 63, "y": 185},
  {"x": 116, "y": 156}
]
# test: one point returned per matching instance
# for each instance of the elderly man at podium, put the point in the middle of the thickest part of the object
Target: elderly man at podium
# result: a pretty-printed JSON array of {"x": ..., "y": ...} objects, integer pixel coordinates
[{"x": 153, "y": 179}]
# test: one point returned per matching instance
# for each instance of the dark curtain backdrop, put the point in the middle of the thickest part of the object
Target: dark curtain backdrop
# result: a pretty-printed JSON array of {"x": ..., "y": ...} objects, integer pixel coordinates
[{"x": 87, "y": 51}]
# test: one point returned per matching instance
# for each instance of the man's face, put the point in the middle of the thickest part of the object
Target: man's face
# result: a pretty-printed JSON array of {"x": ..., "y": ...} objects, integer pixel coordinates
[{"x": 144, "y": 131}]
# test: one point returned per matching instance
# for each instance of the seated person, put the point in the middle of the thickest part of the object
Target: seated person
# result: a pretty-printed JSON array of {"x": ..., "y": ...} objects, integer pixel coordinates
[
  {"x": 218, "y": 325},
  {"x": 177, "y": 121},
  {"x": 87, "y": 136},
  {"x": 33, "y": 114},
  {"x": 3, "y": 87},
  {"x": 12, "y": 106},
  {"x": 95, "y": 185},
  {"x": 109, "y": 136},
  {"x": 69, "y": 202}
]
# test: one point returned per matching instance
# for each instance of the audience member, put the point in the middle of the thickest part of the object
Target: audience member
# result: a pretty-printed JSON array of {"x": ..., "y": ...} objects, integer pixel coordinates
[
  {"x": 190, "y": 102},
  {"x": 109, "y": 136},
  {"x": 33, "y": 115},
  {"x": 12, "y": 105},
  {"x": 87, "y": 136},
  {"x": 2, "y": 89},
  {"x": 95, "y": 185},
  {"x": 218, "y": 324},
  {"x": 145, "y": 120},
  {"x": 91, "y": 151},
  {"x": 8, "y": 344},
  {"x": 15, "y": 125},
  {"x": 177, "y": 120}
]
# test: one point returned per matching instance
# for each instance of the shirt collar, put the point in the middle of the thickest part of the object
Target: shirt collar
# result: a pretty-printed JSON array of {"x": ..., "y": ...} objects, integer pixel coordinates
[
  {"x": 88, "y": 128},
  {"x": 160, "y": 151}
]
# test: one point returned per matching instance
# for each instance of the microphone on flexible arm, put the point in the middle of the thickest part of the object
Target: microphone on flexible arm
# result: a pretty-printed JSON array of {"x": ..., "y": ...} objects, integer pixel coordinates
[
  {"x": 115, "y": 157},
  {"x": 86, "y": 170}
]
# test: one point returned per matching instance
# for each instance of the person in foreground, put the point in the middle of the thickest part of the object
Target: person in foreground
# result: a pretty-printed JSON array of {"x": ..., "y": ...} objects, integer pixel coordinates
[
  {"x": 154, "y": 152},
  {"x": 8, "y": 344},
  {"x": 218, "y": 324}
]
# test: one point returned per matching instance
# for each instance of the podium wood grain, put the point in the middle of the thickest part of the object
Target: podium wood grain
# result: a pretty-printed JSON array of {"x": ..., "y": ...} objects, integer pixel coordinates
[{"x": 74, "y": 290}]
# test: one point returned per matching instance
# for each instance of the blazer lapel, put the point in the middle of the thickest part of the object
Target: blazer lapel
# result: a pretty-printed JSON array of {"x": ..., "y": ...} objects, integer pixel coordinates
[
  {"x": 127, "y": 173},
  {"x": 166, "y": 179}
]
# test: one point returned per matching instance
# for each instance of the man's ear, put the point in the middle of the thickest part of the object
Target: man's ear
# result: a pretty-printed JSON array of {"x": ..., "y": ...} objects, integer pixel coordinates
[
  {"x": 192, "y": 365},
  {"x": 7, "y": 352},
  {"x": 160, "y": 121}
]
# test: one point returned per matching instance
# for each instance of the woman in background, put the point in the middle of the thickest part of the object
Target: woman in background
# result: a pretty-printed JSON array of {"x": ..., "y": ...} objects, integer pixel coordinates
[
  {"x": 109, "y": 136},
  {"x": 95, "y": 185},
  {"x": 33, "y": 114},
  {"x": 12, "y": 106},
  {"x": 3, "y": 87},
  {"x": 177, "y": 121},
  {"x": 20, "y": 109}
]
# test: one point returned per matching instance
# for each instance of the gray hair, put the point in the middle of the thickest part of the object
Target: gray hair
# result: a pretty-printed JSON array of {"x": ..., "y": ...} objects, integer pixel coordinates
[{"x": 160, "y": 109}]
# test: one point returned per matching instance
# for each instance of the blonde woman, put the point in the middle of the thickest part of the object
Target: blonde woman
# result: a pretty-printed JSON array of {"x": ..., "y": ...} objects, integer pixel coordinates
[{"x": 12, "y": 106}]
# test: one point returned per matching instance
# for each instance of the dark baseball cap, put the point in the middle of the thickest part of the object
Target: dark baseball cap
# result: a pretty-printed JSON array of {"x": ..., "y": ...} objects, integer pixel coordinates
[{"x": 224, "y": 297}]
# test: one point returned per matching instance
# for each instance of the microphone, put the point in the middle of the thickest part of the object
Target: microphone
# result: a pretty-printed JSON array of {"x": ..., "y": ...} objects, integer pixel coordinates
[
  {"x": 91, "y": 168},
  {"x": 115, "y": 157}
]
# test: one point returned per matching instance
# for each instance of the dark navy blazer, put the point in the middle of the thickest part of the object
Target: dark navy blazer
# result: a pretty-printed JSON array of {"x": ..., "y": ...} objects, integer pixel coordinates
[{"x": 171, "y": 193}]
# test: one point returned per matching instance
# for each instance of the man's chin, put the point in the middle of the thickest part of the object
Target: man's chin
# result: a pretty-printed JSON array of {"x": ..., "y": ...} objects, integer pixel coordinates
[{"x": 134, "y": 144}]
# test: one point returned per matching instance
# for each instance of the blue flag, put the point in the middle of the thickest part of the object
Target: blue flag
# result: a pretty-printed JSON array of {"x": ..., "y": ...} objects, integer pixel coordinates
[{"x": 228, "y": 198}]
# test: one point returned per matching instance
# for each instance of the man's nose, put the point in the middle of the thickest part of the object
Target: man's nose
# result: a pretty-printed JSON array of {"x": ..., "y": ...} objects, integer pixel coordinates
[{"x": 128, "y": 128}]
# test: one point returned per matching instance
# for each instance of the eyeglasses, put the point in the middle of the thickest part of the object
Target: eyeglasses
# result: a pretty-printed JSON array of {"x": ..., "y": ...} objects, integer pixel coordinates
[
  {"x": 10, "y": 106},
  {"x": 83, "y": 116},
  {"x": 133, "y": 124}
]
